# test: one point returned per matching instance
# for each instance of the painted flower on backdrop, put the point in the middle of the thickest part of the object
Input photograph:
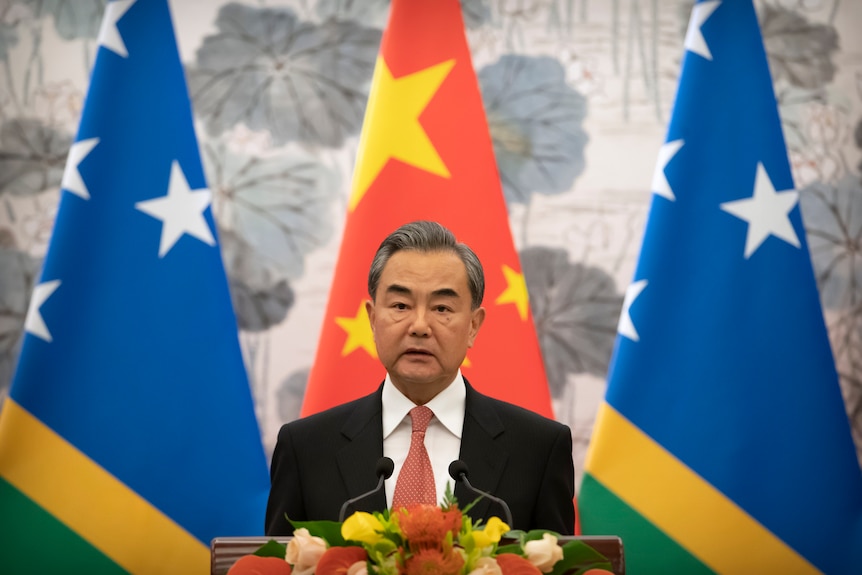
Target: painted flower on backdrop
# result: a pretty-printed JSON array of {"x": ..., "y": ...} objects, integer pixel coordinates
[
  {"x": 18, "y": 274},
  {"x": 800, "y": 52},
  {"x": 272, "y": 210},
  {"x": 420, "y": 540},
  {"x": 535, "y": 119},
  {"x": 72, "y": 18},
  {"x": 576, "y": 308},
  {"x": 370, "y": 12},
  {"x": 32, "y": 156},
  {"x": 833, "y": 222},
  {"x": 302, "y": 81}
]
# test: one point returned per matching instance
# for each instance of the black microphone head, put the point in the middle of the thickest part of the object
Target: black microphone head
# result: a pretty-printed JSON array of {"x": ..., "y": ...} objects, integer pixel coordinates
[
  {"x": 457, "y": 469},
  {"x": 385, "y": 467}
]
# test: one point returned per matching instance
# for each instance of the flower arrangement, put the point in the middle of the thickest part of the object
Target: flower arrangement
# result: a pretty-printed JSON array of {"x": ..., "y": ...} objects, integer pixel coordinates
[{"x": 420, "y": 540}]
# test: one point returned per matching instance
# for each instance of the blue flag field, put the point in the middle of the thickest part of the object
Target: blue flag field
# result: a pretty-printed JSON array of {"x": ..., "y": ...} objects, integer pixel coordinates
[
  {"x": 723, "y": 445},
  {"x": 129, "y": 438}
]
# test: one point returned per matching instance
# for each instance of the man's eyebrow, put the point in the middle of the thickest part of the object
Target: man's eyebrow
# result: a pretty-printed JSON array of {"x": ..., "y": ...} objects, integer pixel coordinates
[
  {"x": 444, "y": 292},
  {"x": 398, "y": 289},
  {"x": 403, "y": 290}
]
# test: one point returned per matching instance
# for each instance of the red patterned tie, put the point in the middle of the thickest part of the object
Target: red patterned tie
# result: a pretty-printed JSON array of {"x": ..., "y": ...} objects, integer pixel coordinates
[{"x": 416, "y": 481}]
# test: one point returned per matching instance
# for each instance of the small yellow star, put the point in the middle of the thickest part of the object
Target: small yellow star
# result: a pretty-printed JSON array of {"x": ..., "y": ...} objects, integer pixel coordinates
[
  {"x": 516, "y": 292},
  {"x": 391, "y": 128},
  {"x": 359, "y": 334}
]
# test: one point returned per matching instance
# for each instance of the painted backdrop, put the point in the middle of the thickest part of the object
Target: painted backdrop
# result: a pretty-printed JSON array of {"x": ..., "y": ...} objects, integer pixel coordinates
[{"x": 577, "y": 93}]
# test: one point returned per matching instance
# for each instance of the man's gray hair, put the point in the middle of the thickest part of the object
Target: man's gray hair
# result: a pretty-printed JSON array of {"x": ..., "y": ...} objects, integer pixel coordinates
[{"x": 425, "y": 236}]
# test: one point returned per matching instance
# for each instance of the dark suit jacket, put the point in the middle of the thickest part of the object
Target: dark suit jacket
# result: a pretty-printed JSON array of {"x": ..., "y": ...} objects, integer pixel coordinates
[{"x": 523, "y": 458}]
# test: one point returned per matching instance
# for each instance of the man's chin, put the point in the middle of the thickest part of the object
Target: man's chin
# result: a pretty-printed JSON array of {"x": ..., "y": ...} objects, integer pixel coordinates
[{"x": 421, "y": 378}]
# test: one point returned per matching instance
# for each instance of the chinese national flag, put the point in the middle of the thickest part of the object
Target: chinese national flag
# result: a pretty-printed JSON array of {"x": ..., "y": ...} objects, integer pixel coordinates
[{"x": 425, "y": 153}]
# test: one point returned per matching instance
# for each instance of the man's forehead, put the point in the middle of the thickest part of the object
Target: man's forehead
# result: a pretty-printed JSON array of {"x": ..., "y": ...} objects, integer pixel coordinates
[{"x": 439, "y": 272}]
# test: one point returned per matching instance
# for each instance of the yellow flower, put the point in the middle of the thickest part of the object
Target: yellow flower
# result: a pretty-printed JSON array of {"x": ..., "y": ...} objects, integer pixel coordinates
[
  {"x": 362, "y": 527},
  {"x": 492, "y": 532}
]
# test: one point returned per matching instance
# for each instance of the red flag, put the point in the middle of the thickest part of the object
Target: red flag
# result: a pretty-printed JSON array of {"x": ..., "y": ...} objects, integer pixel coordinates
[{"x": 425, "y": 153}]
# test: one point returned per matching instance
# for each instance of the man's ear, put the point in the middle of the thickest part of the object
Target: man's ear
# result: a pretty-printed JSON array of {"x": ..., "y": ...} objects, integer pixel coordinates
[
  {"x": 477, "y": 318},
  {"x": 369, "y": 310}
]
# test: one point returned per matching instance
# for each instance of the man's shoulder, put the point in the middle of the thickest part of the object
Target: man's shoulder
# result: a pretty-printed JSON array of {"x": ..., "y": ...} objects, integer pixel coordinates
[
  {"x": 335, "y": 417},
  {"x": 509, "y": 412}
]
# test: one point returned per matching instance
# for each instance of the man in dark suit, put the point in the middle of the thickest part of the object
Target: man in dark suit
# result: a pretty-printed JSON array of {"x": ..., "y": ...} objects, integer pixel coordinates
[{"x": 425, "y": 311}]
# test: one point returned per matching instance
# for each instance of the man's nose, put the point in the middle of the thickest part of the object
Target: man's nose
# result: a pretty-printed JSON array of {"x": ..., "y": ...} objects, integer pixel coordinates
[{"x": 419, "y": 326}]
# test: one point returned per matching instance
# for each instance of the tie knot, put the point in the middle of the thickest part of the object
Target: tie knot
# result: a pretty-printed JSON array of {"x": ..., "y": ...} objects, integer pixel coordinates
[{"x": 420, "y": 415}]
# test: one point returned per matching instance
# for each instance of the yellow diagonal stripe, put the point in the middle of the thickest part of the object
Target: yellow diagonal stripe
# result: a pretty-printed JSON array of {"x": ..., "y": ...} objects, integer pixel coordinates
[
  {"x": 91, "y": 501},
  {"x": 682, "y": 504}
]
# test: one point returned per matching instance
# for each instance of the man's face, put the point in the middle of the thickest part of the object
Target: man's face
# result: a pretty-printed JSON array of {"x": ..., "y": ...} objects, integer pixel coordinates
[{"x": 422, "y": 321}]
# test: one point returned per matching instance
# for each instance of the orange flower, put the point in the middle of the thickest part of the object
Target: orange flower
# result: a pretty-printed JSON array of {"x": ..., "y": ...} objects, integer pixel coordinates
[
  {"x": 254, "y": 565},
  {"x": 511, "y": 564},
  {"x": 337, "y": 560},
  {"x": 432, "y": 562},
  {"x": 425, "y": 526}
]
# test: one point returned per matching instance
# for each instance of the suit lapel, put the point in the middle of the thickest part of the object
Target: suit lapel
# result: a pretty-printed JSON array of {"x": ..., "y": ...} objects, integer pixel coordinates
[
  {"x": 485, "y": 459},
  {"x": 364, "y": 431}
]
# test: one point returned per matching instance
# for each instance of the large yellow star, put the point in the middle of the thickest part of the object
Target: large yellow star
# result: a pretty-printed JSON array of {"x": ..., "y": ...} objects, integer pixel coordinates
[
  {"x": 516, "y": 292},
  {"x": 391, "y": 128},
  {"x": 359, "y": 334}
]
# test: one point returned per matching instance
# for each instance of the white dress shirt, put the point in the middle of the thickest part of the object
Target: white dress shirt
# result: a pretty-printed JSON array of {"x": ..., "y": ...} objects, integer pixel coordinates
[{"x": 442, "y": 439}]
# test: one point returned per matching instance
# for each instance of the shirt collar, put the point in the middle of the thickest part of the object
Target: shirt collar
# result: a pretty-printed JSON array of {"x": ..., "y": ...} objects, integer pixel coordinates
[{"x": 448, "y": 406}]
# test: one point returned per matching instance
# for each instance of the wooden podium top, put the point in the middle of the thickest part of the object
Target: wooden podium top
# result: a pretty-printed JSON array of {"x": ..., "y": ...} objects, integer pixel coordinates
[{"x": 224, "y": 551}]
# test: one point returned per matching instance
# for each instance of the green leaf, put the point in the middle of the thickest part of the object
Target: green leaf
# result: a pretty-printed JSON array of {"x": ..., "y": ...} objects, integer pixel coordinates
[
  {"x": 272, "y": 548},
  {"x": 579, "y": 557}
]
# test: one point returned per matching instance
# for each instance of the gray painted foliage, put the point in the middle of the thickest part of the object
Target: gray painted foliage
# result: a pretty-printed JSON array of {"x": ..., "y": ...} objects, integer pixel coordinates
[
  {"x": 474, "y": 12},
  {"x": 799, "y": 51},
  {"x": 575, "y": 308},
  {"x": 833, "y": 221},
  {"x": 32, "y": 156},
  {"x": 72, "y": 18},
  {"x": 278, "y": 205},
  {"x": 8, "y": 38},
  {"x": 290, "y": 394},
  {"x": 260, "y": 300},
  {"x": 367, "y": 11},
  {"x": 272, "y": 212},
  {"x": 536, "y": 121},
  {"x": 301, "y": 81},
  {"x": 18, "y": 273}
]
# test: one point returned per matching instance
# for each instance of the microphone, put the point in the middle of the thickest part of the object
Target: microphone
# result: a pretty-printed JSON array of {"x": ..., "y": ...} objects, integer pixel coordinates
[
  {"x": 384, "y": 469},
  {"x": 458, "y": 471}
]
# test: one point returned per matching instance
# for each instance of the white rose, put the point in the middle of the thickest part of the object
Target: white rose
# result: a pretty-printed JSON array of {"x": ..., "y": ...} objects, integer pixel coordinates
[
  {"x": 544, "y": 553},
  {"x": 304, "y": 551},
  {"x": 486, "y": 566}
]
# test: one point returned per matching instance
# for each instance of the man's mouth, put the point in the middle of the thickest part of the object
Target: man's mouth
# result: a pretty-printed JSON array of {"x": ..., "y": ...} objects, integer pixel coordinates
[{"x": 417, "y": 352}]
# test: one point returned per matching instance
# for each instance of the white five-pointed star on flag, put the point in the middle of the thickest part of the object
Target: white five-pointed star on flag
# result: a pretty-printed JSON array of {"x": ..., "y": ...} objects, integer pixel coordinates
[
  {"x": 72, "y": 180},
  {"x": 626, "y": 327},
  {"x": 34, "y": 324},
  {"x": 181, "y": 211},
  {"x": 660, "y": 185},
  {"x": 109, "y": 35},
  {"x": 694, "y": 40},
  {"x": 767, "y": 213}
]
